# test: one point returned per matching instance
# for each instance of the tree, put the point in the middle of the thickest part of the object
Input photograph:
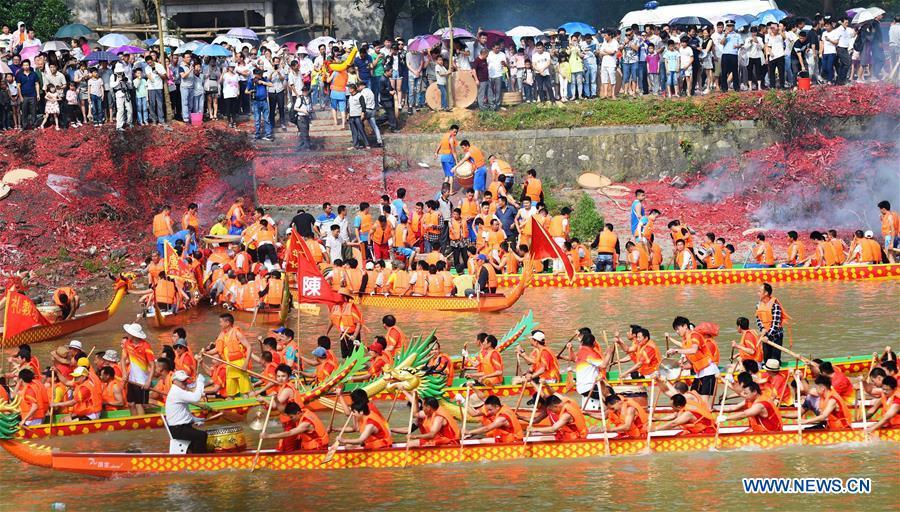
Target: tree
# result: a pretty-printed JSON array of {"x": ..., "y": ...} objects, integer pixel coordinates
[{"x": 44, "y": 16}]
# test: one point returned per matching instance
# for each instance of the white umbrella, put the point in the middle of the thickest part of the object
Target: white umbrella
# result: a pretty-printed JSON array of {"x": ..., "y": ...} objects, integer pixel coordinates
[
  {"x": 53, "y": 46},
  {"x": 524, "y": 31},
  {"x": 4, "y": 69},
  {"x": 313, "y": 46},
  {"x": 231, "y": 41},
  {"x": 113, "y": 40},
  {"x": 876, "y": 11},
  {"x": 862, "y": 17}
]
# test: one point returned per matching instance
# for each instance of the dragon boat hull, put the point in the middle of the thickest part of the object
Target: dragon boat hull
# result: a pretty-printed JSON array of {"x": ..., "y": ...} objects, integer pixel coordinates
[
  {"x": 707, "y": 277},
  {"x": 124, "y": 464}
]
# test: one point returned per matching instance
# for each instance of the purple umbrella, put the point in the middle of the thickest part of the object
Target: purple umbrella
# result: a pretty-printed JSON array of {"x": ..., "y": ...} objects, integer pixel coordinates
[
  {"x": 243, "y": 33},
  {"x": 457, "y": 33},
  {"x": 424, "y": 43},
  {"x": 494, "y": 36},
  {"x": 126, "y": 49}
]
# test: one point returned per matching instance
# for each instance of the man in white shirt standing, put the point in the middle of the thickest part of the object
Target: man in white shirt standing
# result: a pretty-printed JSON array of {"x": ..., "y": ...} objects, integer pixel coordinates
[
  {"x": 844, "y": 33},
  {"x": 496, "y": 61},
  {"x": 179, "y": 419},
  {"x": 540, "y": 63},
  {"x": 607, "y": 51},
  {"x": 774, "y": 50}
]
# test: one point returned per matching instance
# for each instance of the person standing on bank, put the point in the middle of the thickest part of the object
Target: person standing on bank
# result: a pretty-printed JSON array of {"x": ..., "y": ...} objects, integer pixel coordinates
[{"x": 302, "y": 108}]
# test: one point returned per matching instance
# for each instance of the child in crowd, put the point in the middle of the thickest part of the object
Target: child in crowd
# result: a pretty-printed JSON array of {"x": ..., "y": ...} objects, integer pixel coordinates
[
  {"x": 140, "y": 95},
  {"x": 51, "y": 107},
  {"x": 653, "y": 68},
  {"x": 96, "y": 92},
  {"x": 73, "y": 107},
  {"x": 672, "y": 59},
  {"x": 5, "y": 107},
  {"x": 519, "y": 71},
  {"x": 528, "y": 82},
  {"x": 15, "y": 100},
  {"x": 564, "y": 74}
]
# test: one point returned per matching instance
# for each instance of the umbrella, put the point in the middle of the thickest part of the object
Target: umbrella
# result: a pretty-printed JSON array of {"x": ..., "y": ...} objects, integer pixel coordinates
[
  {"x": 138, "y": 43},
  {"x": 497, "y": 36},
  {"x": 862, "y": 17},
  {"x": 765, "y": 19},
  {"x": 524, "y": 31},
  {"x": 174, "y": 42},
  {"x": 127, "y": 49},
  {"x": 30, "y": 53},
  {"x": 231, "y": 41},
  {"x": 192, "y": 47},
  {"x": 213, "y": 50},
  {"x": 53, "y": 46},
  {"x": 853, "y": 12},
  {"x": 4, "y": 69},
  {"x": 112, "y": 40},
  {"x": 424, "y": 43},
  {"x": 291, "y": 46},
  {"x": 791, "y": 21},
  {"x": 876, "y": 11},
  {"x": 691, "y": 21},
  {"x": 777, "y": 13},
  {"x": 72, "y": 30},
  {"x": 458, "y": 33},
  {"x": 313, "y": 46},
  {"x": 577, "y": 26},
  {"x": 744, "y": 20},
  {"x": 243, "y": 33},
  {"x": 101, "y": 56}
]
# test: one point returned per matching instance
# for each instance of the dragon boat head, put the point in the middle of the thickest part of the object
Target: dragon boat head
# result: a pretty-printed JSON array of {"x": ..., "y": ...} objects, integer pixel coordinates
[{"x": 9, "y": 419}]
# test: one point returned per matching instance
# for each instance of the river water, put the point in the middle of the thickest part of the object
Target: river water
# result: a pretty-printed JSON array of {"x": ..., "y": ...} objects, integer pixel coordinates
[{"x": 831, "y": 319}]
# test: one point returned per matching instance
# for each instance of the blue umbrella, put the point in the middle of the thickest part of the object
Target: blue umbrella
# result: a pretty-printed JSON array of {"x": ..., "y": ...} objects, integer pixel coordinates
[
  {"x": 741, "y": 20},
  {"x": 577, "y": 26},
  {"x": 691, "y": 21},
  {"x": 99, "y": 56},
  {"x": 765, "y": 19},
  {"x": 72, "y": 30},
  {"x": 213, "y": 50},
  {"x": 778, "y": 14}
]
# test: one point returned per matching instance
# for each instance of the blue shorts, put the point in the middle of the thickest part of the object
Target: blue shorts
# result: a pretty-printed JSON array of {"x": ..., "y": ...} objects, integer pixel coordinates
[
  {"x": 480, "y": 183},
  {"x": 889, "y": 242},
  {"x": 404, "y": 251},
  {"x": 338, "y": 101},
  {"x": 448, "y": 161}
]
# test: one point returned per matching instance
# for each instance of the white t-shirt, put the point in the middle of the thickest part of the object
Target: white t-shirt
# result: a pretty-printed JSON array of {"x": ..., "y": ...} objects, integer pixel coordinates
[
  {"x": 846, "y": 35},
  {"x": 828, "y": 47},
  {"x": 609, "y": 49},
  {"x": 495, "y": 63},
  {"x": 776, "y": 46},
  {"x": 687, "y": 54},
  {"x": 230, "y": 85},
  {"x": 541, "y": 62}
]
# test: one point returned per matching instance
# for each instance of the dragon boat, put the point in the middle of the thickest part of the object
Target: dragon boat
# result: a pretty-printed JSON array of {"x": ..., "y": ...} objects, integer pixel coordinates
[
  {"x": 706, "y": 277},
  {"x": 80, "y": 322},
  {"x": 400, "y": 456}
]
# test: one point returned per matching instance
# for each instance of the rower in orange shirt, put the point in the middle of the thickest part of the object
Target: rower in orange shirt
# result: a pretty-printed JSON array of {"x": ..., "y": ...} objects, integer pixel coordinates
[
  {"x": 532, "y": 188},
  {"x": 567, "y": 421},
  {"x": 33, "y": 399},
  {"x": 83, "y": 402},
  {"x": 760, "y": 411},
  {"x": 763, "y": 253},
  {"x": 694, "y": 417},
  {"x": 498, "y": 421},
  {"x": 833, "y": 410},
  {"x": 489, "y": 364},
  {"x": 889, "y": 403},
  {"x": 303, "y": 430},
  {"x": 437, "y": 426},
  {"x": 67, "y": 301},
  {"x": 890, "y": 229},
  {"x": 396, "y": 340},
  {"x": 112, "y": 392},
  {"x": 374, "y": 430},
  {"x": 629, "y": 418},
  {"x": 749, "y": 346},
  {"x": 691, "y": 346},
  {"x": 324, "y": 361},
  {"x": 840, "y": 247},
  {"x": 236, "y": 217},
  {"x": 162, "y": 222},
  {"x": 644, "y": 353},
  {"x": 796, "y": 251},
  {"x": 190, "y": 218}
]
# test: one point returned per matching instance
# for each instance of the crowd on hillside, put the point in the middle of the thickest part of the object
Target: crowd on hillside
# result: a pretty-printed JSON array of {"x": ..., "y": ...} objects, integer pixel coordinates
[{"x": 364, "y": 85}]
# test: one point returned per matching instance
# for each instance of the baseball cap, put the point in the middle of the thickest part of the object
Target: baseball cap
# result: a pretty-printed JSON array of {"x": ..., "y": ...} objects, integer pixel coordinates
[
  {"x": 81, "y": 371},
  {"x": 538, "y": 336},
  {"x": 75, "y": 344},
  {"x": 320, "y": 351},
  {"x": 180, "y": 343},
  {"x": 370, "y": 265},
  {"x": 870, "y": 234},
  {"x": 482, "y": 257},
  {"x": 180, "y": 376},
  {"x": 280, "y": 330}
]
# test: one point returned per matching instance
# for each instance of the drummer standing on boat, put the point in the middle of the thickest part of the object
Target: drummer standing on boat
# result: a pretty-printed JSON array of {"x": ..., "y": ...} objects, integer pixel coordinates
[
  {"x": 446, "y": 152},
  {"x": 233, "y": 347},
  {"x": 770, "y": 318},
  {"x": 179, "y": 419},
  {"x": 138, "y": 364}
]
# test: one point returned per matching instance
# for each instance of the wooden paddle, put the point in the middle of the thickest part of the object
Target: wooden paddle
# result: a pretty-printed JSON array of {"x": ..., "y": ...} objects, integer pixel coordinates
[
  {"x": 652, "y": 409},
  {"x": 862, "y": 410},
  {"x": 255, "y": 312},
  {"x": 333, "y": 449},
  {"x": 603, "y": 419},
  {"x": 391, "y": 410},
  {"x": 409, "y": 427},
  {"x": 799, "y": 411},
  {"x": 534, "y": 407},
  {"x": 521, "y": 394},
  {"x": 337, "y": 401},
  {"x": 52, "y": 396},
  {"x": 786, "y": 350},
  {"x": 558, "y": 354},
  {"x": 721, "y": 413},
  {"x": 615, "y": 354},
  {"x": 465, "y": 416},
  {"x": 264, "y": 426},
  {"x": 245, "y": 370}
]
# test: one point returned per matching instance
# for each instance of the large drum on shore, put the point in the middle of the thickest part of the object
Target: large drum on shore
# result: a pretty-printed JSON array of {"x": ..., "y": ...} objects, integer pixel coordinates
[
  {"x": 226, "y": 439},
  {"x": 636, "y": 393},
  {"x": 465, "y": 174}
]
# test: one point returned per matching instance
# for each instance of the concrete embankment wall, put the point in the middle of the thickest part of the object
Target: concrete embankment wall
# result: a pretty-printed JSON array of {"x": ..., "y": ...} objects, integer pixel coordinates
[{"x": 624, "y": 153}]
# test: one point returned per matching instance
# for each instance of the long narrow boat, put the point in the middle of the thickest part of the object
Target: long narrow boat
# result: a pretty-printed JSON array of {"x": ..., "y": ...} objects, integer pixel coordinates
[
  {"x": 62, "y": 328},
  {"x": 707, "y": 277},
  {"x": 125, "y": 464},
  {"x": 121, "y": 420}
]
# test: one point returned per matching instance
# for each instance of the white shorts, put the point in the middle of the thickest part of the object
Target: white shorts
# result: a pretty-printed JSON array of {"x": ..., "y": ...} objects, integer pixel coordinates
[{"x": 608, "y": 75}]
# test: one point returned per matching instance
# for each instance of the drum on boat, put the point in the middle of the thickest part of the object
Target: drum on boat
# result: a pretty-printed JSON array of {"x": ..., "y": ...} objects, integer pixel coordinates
[
  {"x": 636, "y": 393},
  {"x": 465, "y": 174},
  {"x": 226, "y": 439}
]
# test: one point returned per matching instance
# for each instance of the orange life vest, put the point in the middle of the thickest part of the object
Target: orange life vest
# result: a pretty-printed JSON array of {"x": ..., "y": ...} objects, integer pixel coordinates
[
  {"x": 558, "y": 227},
  {"x": 162, "y": 225},
  {"x": 190, "y": 219},
  {"x": 638, "y": 423},
  {"x": 489, "y": 361},
  {"x": 870, "y": 251},
  {"x": 606, "y": 243},
  {"x": 703, "y": 422},
  {"x": 477, "y": 157},
  {"x": 543, "y": 357},
  {"x": 354, "y": 279},
  {"x": 533, "y": 189},
  {"x": 766, "y": 256},
  {"x": 764, "y": 314},
  {"x": 33, "y": 393},
  {"x": 229, "y": 347},
  {"x": 656, "y": 257},
  {"x": 326, "y": 367},
  {"x": 699, "y": 359},
  {"x": 771, "y": 423},
  {"x": 448, "y": 144},
  {"x": 166, "y": 293},
  {"x": 83, "y": 394},
  {"x": 449, "y": 433},
  {"x": 685, "y": 260},
  {"x": 380, "y": 235},
  {"x": 649, "y": 358},
  {"x": 643, "y": 259},
  {"x": 63, "y": 290},
  {"x": 186, "y": 363},
  {"x": 574, "y": 429},
  {"x": 886, "y": 403},
  {"x": 750, "y": 340},
  {"x": 109, "y": 395},
  {"x": 275, "y": 294},
  {"x": 509, "y": 433},
  {"x": 420, "y": 287},
  {"x": 840, "y": 416},
  {"x": 381, "y": 438}
]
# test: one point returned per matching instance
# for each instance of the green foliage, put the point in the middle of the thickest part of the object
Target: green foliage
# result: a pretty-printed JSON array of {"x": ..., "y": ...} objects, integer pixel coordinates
[
  {"x": 44, "y": 16},
  {"x": 586, "y": 221}
]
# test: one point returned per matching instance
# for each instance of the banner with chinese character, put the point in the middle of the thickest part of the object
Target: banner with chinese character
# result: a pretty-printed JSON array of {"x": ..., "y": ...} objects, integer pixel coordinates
[
  {"x": 543, "y": 246},
  {"x": 174, "y": 266},
  {"x": 21, "y": 314},
  {"x": 295, "y": 250},
  {"x": 312, "y": 287}
]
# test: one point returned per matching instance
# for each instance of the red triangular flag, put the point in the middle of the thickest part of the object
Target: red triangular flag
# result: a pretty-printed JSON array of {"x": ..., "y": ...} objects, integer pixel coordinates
[
  {"x": 543, "y": 246},
  {"x": 296, "y": 249},
  {"x": 312, "y": 287},
  {"x": 21, "y": 314},
  {"x": 174, "y": 266}
]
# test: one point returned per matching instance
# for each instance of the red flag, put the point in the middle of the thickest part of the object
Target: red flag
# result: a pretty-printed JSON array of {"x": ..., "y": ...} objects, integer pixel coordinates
[
  {"x": 543, "y": 246},
  {"x": 21, "y": 314},
  {"x": 174, "y": 266},
  {"x": 295, "y": 251},
  {"x": 312, "y": 287}
]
